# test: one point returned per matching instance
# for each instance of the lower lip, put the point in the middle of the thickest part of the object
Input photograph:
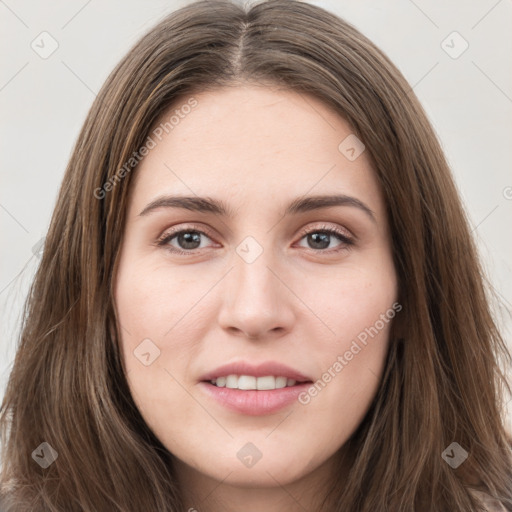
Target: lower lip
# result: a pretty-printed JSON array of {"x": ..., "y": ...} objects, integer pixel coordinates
[{"x": 253, "y": 402}]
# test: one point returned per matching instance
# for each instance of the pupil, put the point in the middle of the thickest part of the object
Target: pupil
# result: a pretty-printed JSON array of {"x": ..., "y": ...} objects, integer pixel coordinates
[
  {"x": 324, "y": 239},
  {"x": 321, "y": 240},
  {"x": 188, "y": 238}
]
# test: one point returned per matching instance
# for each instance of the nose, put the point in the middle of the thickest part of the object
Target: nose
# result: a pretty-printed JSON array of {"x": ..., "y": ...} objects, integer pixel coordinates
[{"x": 257, "y": 303}]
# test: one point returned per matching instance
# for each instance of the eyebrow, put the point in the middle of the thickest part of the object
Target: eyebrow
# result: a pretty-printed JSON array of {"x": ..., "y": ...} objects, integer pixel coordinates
[{"x": 218, "y": 207}]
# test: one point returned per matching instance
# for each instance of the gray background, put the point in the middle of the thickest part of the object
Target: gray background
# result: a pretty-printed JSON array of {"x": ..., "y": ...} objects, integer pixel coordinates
[{"x": 44, "y": 101}]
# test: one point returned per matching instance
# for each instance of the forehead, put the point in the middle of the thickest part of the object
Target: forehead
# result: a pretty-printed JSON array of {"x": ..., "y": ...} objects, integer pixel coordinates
[{"x": 252, "y": 142}]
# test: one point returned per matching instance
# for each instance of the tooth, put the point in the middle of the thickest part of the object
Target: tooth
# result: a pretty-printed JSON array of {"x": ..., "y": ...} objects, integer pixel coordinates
[
  {"x": 232, "y": 381},
  {"x": 281, "y": 382},
  {"x": 265, "y": 383},
  {"x": 246, "y": 382}
]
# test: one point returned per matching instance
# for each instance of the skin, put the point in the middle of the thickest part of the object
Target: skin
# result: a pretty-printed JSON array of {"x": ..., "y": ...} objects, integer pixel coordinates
[{"x": 298, "y": 303}]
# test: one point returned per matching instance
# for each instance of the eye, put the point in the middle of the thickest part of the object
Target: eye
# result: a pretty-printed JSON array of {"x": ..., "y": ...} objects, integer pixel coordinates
[
  {"x": 320, "y": 239},
  {"x": 187, "y": 240}
]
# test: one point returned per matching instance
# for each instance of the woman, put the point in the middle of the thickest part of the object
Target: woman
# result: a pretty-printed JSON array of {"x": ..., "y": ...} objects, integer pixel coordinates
[{"x": 258, "y": 288}]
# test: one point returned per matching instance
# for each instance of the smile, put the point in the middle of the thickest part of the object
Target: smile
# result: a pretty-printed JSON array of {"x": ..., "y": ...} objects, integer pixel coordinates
[{"x": 249, "y": 382}]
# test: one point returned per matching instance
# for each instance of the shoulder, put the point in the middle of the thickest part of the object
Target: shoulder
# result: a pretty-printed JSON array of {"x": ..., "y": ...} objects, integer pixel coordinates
[{"x": 489, "y": 503}]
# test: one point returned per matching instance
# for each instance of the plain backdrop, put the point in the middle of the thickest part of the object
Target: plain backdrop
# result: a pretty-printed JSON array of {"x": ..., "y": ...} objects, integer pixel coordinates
[{"x": 456, "y": 55}]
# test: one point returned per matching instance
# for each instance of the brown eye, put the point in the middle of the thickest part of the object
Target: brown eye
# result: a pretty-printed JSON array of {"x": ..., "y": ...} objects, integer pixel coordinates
[
  {"x": 320, "y": 239},
  {"x": 187, "y": 239},
  {"x": 183, "y": 241}
]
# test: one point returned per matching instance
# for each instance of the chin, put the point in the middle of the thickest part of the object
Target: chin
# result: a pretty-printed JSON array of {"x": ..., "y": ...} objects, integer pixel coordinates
[{"x": 257, "y": 477}]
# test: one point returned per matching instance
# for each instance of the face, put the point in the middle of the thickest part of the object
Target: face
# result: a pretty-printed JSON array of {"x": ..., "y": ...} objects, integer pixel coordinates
[{"x": 249, "y": 284}]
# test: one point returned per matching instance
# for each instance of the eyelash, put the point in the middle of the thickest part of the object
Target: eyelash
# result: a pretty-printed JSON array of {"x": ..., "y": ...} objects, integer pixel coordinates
[{"x": 346, "y": 241}]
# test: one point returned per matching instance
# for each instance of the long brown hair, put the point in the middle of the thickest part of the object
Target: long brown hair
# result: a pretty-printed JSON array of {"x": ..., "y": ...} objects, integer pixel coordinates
[{"x": 443, "y": 381}]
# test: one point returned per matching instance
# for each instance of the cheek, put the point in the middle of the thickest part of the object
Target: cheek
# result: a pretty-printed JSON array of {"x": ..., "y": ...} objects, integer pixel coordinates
[
  {"x": 359, "y": 309},
  {"x": 349, "y": 301},
  {"x": 144, "y": 315},
  {"x": 154, "y": 302},
  {"x": 160, "y": 331}
]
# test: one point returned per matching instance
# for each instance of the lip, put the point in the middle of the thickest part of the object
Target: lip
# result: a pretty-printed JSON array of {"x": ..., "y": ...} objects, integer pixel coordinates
[
  {"x": 255, "y": 402},
  {"x": 261, "y": 370}
]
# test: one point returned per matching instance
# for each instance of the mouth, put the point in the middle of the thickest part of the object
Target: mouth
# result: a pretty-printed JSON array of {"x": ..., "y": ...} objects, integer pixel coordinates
[
  {"x": 251, "y": 382},
  {"x": 252, "y": 390},
  {"x": 263, "y": 377}
]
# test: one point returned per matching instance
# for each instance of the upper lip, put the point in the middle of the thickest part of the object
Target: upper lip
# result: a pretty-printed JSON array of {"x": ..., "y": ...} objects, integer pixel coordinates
[{"x": 261, "y": 370}]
